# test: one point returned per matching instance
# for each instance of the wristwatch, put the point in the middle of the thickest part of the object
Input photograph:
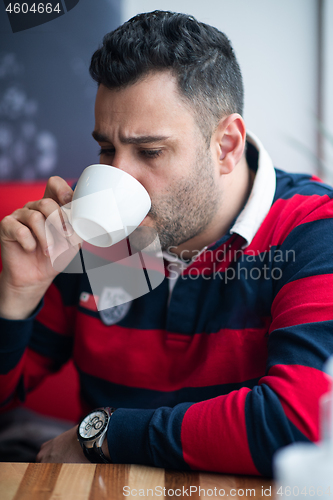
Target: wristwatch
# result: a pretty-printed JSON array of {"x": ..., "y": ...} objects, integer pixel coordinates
[{"x": 91, "y": 433}]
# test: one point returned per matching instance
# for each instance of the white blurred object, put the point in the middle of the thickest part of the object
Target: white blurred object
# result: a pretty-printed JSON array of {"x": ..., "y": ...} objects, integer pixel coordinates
[
  {"x": 306, "y": 469},
  {"x": 303, "y": 470}
]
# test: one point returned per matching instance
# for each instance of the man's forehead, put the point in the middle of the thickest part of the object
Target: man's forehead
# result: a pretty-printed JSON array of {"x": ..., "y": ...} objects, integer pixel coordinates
[
  {"x": 163, "y": 81},
  {"x": 157, "y": 90},
  {"x": 146, "y": 108}
]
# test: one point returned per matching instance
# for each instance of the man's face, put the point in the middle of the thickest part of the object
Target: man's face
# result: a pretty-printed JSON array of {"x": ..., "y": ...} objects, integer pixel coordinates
[{"x": 147, "y": 131}]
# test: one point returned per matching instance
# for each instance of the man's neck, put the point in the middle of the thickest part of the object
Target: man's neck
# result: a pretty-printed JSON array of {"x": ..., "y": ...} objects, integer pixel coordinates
[{"x": 235, "y": 190}]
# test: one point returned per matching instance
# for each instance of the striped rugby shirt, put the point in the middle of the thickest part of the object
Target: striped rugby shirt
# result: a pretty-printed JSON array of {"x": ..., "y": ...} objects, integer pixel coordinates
[{"x": 224, "y": 371}]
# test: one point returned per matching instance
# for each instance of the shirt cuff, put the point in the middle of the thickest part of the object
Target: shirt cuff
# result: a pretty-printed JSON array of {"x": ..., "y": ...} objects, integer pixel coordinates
[
  {"x": 148, "y": 437},
  {"x": 128, "y": 438}
]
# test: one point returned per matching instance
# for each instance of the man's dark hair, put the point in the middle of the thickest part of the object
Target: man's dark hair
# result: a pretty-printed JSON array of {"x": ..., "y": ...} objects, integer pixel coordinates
[{"x": 199, "y": 55}]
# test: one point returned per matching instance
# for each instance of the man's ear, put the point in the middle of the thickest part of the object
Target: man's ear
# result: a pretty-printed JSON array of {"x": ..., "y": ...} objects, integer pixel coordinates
[{"x": 229, "y": 142}]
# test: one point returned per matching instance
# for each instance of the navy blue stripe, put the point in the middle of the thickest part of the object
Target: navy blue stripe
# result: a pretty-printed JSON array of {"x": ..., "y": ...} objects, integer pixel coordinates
[
  {"x": 289, "y": 184},
  {"x": 14, "y": 338},
  {"x": 309, "y": 344},
  {"x": 97, "y": 392},
  {"x": 69, "y": 287},
  {"x": 268, "y": 429},
  {"x": 51, "y": 344},
  {"x": 312, "y": 243},
  {"x": 207, "y": 304},
  {"x": 148, "y": 437},
  {"x": 146, "y": 312}
]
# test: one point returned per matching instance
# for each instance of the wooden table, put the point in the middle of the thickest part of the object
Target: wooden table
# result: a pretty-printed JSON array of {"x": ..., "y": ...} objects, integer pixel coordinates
[{"x": 22, "y": 481}]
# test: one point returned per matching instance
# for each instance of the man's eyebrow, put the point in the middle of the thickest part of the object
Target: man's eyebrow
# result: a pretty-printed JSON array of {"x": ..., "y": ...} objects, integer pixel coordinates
[
  {"x": 99, "y": 137},
  {"x": 142, "y": 139}
]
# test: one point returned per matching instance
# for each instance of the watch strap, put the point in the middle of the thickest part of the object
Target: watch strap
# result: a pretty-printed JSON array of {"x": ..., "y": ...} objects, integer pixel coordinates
[
  {"x": 95, "y": 455},
  {"x": 92, "y": 455},
  {"x": 102, "y": 455}
]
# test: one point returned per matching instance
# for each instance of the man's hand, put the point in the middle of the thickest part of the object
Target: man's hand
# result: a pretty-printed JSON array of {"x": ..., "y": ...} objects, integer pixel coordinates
[
  {"x": 65, "y": 448},
  {"x": 25, "y": 240}
]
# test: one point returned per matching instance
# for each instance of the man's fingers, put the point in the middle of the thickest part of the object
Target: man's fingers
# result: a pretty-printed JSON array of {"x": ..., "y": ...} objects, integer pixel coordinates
[
  {"x": 32, "y": 221},
  {"x": 52, "y": 212},
  {"x": 41, "y": 454},
  {"x": 58, "y": 189},
  {"x": 40, "y": 220},
  {"x": 13, "y": 230}
]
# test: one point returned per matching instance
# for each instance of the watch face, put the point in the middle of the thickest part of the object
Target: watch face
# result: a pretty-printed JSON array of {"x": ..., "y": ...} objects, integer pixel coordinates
[{"x": 93, "y": 424}]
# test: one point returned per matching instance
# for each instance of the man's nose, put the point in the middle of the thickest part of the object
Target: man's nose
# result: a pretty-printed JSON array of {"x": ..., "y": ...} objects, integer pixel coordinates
[{"x": 129, "y": 165}]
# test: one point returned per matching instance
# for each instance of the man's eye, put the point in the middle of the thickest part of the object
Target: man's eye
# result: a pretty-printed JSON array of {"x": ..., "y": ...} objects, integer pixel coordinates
[
  {"x": 151, "y": 153},
  {"x": 109, "y": 152}
]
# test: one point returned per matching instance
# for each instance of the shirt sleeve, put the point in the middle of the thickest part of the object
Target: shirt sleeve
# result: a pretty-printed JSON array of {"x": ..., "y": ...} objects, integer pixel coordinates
[
  {"x": 239, "y": 433},
  {"x": 32, "y": 349}
]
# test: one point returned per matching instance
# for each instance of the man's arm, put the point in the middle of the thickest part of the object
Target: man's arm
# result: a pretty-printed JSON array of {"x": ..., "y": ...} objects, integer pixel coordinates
[{"x": 27, "y": 274}]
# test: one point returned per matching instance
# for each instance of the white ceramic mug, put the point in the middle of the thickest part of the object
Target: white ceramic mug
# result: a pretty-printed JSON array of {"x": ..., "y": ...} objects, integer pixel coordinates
[{"x": 108, "y": 205}]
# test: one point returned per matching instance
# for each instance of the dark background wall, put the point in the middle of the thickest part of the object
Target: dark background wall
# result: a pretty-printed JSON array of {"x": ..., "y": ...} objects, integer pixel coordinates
[{"x": 46, "y": 93}]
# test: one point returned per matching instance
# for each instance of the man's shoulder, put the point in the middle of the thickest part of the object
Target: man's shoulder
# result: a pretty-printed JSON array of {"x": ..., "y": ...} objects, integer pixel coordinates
[
  {"x": 302, "y": 203},
  {"x": 290, "y": 184},
  {"x": 299, "y": 195}
]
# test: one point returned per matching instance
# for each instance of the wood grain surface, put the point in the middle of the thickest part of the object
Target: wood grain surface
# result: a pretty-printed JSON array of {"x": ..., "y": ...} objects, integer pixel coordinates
[{"x": 115, "y": 482}]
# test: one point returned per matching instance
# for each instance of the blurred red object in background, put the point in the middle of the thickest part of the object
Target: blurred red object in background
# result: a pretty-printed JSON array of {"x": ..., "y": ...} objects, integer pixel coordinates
[{"x": 58, "y": 395}]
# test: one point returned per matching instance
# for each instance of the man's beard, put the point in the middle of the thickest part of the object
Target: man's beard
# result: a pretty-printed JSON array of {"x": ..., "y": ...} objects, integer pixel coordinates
[{"x": 184, "y": 211}]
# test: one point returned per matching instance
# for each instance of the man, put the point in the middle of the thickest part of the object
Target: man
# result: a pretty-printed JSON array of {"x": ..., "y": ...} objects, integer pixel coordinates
[{"x": 221, "y": 364}]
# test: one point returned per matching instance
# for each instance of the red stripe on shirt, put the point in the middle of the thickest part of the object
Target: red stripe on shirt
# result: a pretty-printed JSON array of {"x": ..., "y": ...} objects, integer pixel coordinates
[
  {"x": 221, "y": 423},
  {"x": 316, "y": 179},
  {"x": 299, "y": 389},
  {"x": 157, "y": 361},
  {"x": 291, "y": 213},
  {"x": 307, "y": 300},
  {"x": 321, "y": 213},
  {"x": 217, "y": 260},
  {"x": 287, "y": 214},
  {"x": 37, "y": 367}
]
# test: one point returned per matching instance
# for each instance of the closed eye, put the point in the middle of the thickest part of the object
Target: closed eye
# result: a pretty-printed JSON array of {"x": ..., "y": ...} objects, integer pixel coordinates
[
  {"x": 106, "y": 152},
  {"x": 151, "y": 153},
  {"x": 147, "y": 153}
]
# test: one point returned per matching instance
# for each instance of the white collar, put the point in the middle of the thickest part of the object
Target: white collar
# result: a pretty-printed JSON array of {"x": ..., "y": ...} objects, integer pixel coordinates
[{"x": 261, "y": 196}]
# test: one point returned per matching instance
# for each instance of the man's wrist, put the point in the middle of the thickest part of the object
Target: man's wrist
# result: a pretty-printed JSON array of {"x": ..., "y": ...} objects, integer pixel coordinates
[{"x": 17, "y": 305}]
